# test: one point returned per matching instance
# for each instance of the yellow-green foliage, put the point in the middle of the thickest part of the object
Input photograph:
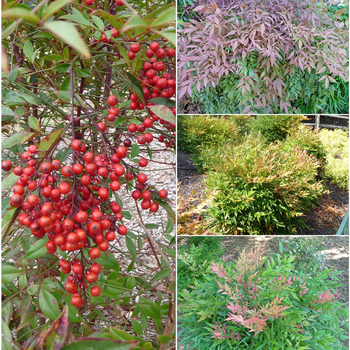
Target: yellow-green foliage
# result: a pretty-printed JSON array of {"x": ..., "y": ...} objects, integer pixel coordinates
[
  {"x": 261, "y": 188},
  {"x": 205, "y": 131},
  {"x": 336, "y": 144}
]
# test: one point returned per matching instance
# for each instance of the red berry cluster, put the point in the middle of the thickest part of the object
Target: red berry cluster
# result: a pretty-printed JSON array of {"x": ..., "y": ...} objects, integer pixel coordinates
[{"x": 70, "y": 204}]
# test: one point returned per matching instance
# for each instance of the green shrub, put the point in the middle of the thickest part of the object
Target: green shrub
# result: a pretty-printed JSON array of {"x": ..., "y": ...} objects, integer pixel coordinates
[
  {"x": 195, "y": 132},
  {"x": 336, "y": 144},
  {"x": 258, "y": 303},
  {"x": 194, "y": 259},
  {"x": 275, "y": 128},
  {"x": 306, "y": 139},
  {"x": 261, "y": 188}
]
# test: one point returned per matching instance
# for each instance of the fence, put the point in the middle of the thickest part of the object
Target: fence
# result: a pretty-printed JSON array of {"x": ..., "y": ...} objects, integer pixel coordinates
[{"x": 321, "y": 121}]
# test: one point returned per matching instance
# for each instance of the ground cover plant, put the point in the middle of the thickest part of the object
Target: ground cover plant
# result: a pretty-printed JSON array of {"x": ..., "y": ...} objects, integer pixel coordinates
[
  {"x": 261, "y": 181},
  {"x": 88, "y": 131},
  {"x": 263, "y": 302},
  {"x": 336, "y": 144},
  {"x": 264, "y": 57}
]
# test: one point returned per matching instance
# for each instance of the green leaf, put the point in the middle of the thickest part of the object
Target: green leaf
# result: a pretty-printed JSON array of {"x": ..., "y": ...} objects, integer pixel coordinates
[
  {"x": 9, "y": 273},
  {"x": 83, "y": 73},
  {"x": 23, "y": 13},
  {"x": 131, "y": 246},
  {"x": 108, "y": 261},
  {"x": 135, "y": 150},
  {"x": 165, "y": 18},
  {"x": 65, "y": 86},
  {"x": 119, "y": 334},
  {"x": 50, "y": 140},
  {"x": 22, "y": 281},
  {"x": 149, "y": 151},
  {"x": 48, "y": 304},
  {"x": 29, "y": 98},
  {"x": 33, "y": 289},
  {"x": 162, "y": 274},
  {"x": 119, "y": 121},
  {"x": 15, "y": 139},
  {"x": 99, "y": 23},
  {"x": 113, "y": 289},
  {"x": 169, "y": 226},
  {"x": 34, "y": 123},
  {"x": 55, "y": 7},
  {"x": 115, "y": 21},
  {"x": 28, "y": 50},
  {"x": 126, "y": 215},
  {"x": 5, "y": 344},
  {"x": 163, "y": 112},
  {"x": 169, "y": 34},
  {"x": 9, "y": 218},
  {"x": 166, "y": 207},
  {"x": 69, "y": 34},
  {"x": 135, "y": 85},
  {"x": 151, "y": 226},
  {"x": 36, "y": 250},
  {"x": 163, "y": 101},
  {"x": 12, "y": 77},
  {"x": 101, "y": 344},
  {"x": 26, "y": 320},
  {"x": 80, "y": 19},
  {"x": 164, "y": 339},
  {"x": 55, "y": 336},
  {"x": 134, "y": 22},
  {"x": 280, "y": 246},
  {"x": 5, "y": 111},
  {"x": 52, "y": 58},
  {"x": 136, "y": 326}
]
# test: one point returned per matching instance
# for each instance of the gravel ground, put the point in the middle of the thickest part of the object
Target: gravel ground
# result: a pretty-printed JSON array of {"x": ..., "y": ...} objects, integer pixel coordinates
[{"x": 325, "y": 219}]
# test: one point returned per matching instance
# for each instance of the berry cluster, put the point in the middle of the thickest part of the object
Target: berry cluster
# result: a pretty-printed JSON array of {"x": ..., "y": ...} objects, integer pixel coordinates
[{"x": 70, "y": 204}]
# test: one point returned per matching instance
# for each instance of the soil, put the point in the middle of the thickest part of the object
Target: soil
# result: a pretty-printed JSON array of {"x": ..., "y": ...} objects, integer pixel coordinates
[{"x": 325, "y": 219}]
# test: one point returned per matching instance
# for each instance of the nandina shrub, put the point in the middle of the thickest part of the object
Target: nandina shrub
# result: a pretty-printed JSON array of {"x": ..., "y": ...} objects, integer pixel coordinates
[
  {"x": 256, "y": 303},
  {"x": 336, "y": 145},
  {"x": 194, "y": 257},
  {"x": 88, "y": 129},
  {"x": 205, "y": 131},
  {"x": 262, "y": 45},
  {"x": 276, "y": 127},
  {"x": 260, "y": 188},
  {"x": 308, "y": 140}
]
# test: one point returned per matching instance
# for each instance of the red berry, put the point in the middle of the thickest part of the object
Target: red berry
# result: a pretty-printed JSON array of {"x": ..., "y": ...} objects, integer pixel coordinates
[
  {"x": 95, "y": 291},
  {"x": 95, "y": 253},
  {"x": 154, "y": 46},
  {"x": 135, "y": 48},
  {"x": 112, "y": 100},
  {"x": 122, "y": 230}
]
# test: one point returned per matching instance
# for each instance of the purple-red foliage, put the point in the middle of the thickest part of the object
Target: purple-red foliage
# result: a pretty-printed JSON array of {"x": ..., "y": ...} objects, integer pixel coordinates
[{"x": 281, "y": 34}]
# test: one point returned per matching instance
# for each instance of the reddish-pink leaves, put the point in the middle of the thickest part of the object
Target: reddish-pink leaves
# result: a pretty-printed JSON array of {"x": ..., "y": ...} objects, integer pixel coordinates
[{"x": 284, "y": 34}]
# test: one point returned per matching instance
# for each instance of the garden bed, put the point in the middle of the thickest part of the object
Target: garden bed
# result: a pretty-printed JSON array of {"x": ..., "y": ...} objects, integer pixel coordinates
[{"x": 325, "y": 219}]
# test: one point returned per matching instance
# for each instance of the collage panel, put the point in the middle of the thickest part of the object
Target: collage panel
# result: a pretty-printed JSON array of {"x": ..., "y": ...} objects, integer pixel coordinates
[
  {"x": 88, "y": 175},
  {"x": 263, "y": 57},
  {"x": 263, "y": 292},
  {"x": 263, "y": 175}
]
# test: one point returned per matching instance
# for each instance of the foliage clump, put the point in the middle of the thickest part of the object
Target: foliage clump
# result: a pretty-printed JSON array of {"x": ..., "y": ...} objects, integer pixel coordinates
[
  {"x": 265, "y": 57},
  {"x": 260, "y": 302},
  {"x": 336, "y": 144},
  {"x": 204, "y": 131},
  {"x": 261, "y": 188}
]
